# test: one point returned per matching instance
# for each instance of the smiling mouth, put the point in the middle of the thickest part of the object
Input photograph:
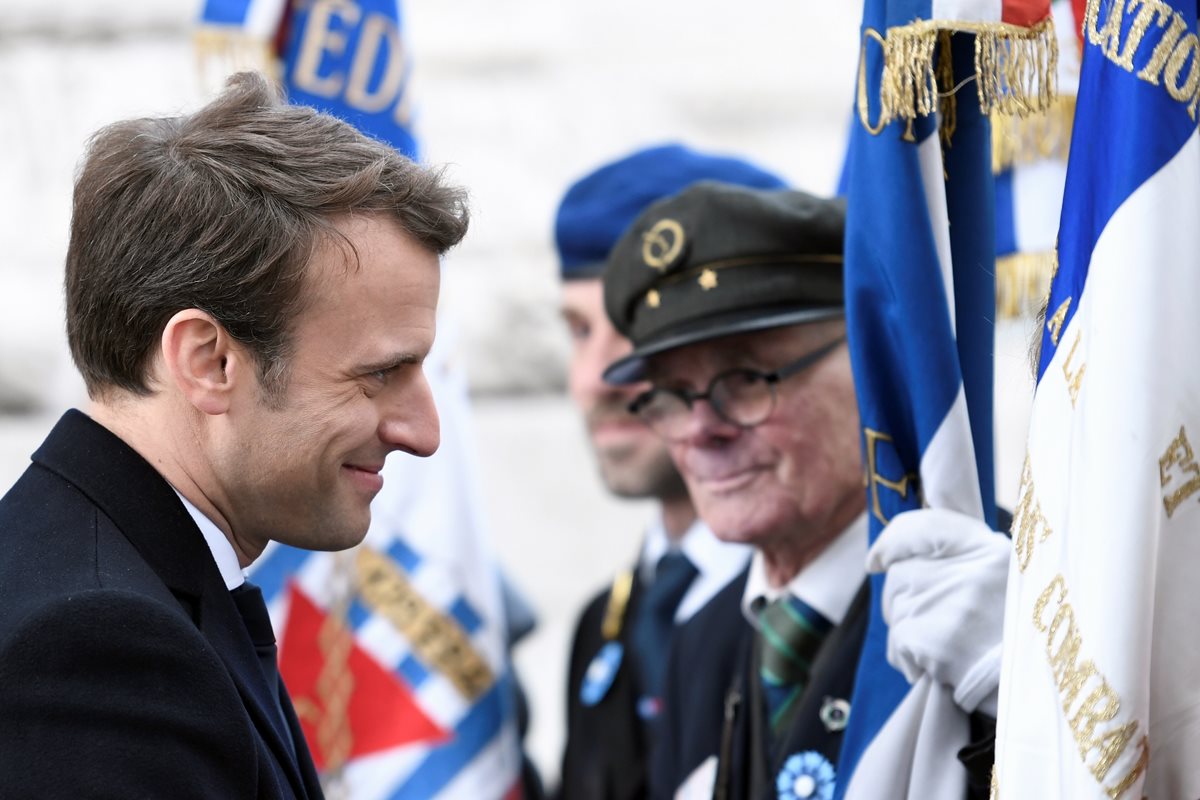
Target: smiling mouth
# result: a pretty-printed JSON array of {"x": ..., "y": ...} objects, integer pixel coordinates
[
  {"x": 728, "y": 482},
  {"x": 366, "y": 478},
  {"x": 618, "y": 427}
]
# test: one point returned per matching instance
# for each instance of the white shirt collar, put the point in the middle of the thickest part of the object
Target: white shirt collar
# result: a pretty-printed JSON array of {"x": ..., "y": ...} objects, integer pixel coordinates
[
  {"x": 222, "y": 551},
  {"x": 716, "y": 563},
  {"x": 828, "y": 583}
]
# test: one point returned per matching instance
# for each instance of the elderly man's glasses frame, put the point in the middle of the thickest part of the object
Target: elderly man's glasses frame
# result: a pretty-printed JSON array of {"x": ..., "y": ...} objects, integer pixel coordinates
[{"x": 743, "y": 397}]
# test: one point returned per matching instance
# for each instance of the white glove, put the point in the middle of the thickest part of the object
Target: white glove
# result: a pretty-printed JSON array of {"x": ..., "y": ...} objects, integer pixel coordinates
[{"x": 943, "y": 601}]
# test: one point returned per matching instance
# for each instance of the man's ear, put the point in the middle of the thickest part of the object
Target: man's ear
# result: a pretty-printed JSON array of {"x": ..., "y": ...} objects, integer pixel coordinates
[{"x": 202, "y": 360}]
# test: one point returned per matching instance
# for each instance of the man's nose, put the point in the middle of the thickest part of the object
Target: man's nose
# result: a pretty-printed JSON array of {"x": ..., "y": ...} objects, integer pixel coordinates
[
  {"x": 700, "y": 424},
  {"x": 410, "y": 420}
]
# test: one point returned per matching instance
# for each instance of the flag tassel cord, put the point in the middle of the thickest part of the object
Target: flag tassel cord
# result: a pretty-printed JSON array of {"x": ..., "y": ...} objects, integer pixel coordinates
[
  {"x": 1014, "y": 67},
  {"x": 1042, "y": 135},
  {"x": 222, "y": 50}
]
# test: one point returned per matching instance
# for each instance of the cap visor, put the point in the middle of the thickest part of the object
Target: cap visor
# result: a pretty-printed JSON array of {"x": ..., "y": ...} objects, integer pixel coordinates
[{"x": 632, "y": 368}]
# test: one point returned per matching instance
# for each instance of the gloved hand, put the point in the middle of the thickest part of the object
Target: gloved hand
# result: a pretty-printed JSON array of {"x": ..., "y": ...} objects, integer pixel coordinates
[{"x": 943, "y": 600}]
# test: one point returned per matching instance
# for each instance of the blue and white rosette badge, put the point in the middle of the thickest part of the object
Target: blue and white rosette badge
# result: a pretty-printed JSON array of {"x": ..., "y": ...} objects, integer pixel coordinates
[
  {"x": 601, "y": 673},
  {"x": 806, "y": 776}
]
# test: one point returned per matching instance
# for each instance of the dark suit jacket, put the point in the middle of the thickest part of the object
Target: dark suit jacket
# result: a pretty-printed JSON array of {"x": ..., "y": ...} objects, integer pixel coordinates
[
  {"x": 605, "y": 756},
  {"x": 125, "y": 668},
  {"x": 712, "y": 695}
]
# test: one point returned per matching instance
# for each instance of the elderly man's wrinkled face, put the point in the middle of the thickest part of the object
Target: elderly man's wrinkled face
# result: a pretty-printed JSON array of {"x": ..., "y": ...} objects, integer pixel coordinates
[
  {"x": 799, "y": 472},
  {"x": 633, "y": 460}
]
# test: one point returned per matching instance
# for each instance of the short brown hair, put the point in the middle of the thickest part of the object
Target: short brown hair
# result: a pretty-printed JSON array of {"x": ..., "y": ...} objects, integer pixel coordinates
[{"x": 221, "y": 210}]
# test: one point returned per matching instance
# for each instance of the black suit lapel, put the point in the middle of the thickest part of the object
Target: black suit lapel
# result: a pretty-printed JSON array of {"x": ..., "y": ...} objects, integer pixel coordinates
[
  {"x": 147, "y": 511},
  {"x": 222, "y": 625},
  {"x": 308, "y": 770},
  {"x": 134, "y": 496}
]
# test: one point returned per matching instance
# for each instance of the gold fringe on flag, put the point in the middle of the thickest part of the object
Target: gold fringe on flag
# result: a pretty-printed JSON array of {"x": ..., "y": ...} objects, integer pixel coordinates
[
  {"x": 1022, "y": 283},
  {"x": 1024, "y": 140},
  {"x": 222, "y": 50},
  {"x": 1014, "y": 67}
]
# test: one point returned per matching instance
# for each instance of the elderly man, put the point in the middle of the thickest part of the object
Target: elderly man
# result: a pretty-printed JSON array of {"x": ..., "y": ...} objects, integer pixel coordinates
[
  {"x": 733, "y": 301},
  {"x": 620, "y": 644},
  {"x": 251, "y": 292}
]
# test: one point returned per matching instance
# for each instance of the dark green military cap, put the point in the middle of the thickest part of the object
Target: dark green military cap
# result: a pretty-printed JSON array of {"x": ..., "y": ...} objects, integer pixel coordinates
[{"x": 718, "y": 259}]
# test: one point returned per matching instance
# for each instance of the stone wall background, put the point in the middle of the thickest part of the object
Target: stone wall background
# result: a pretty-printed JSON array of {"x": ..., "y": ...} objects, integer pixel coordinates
[{"x": 519, "y": 97}]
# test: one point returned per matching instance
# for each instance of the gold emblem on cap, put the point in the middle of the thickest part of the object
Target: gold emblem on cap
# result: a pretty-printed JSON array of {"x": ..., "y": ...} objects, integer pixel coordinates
[
  {"x": 662, "y": 244},
  {"x": 707, "y": 280},
  {"x": 653, "y": 299}
]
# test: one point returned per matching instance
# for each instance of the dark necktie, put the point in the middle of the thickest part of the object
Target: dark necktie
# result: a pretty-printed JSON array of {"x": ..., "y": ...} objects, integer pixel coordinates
[
  {"x": 790, "y": 633},
  {"x": 253, "y": 608},
  {"x": 654, "y": 622}
]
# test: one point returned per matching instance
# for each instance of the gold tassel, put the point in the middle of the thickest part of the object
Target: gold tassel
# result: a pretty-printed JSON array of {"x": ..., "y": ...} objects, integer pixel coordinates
[
  {"x": 1022, "y": 283},
  {"x": 948, "y": 104},
  {"x": 1017, "y": 68},
  {"x": 1040, "y": 136},
  {"x": 1014, "y": 67},
  {"x": 222, "y": 50}
]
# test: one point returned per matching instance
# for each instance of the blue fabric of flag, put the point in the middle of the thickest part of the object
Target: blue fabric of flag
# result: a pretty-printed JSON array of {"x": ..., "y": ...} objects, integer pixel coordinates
[
  {"x": 1096, "y": 194},
  {"x": 1006, "y": 226},
  {"x": 910, "y": 360},
  {"x": 349, "y": 60},
  {"x": 224, "y": 12}
]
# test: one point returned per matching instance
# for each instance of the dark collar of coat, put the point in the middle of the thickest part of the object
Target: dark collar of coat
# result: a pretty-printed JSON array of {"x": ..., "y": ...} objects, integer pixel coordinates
[{"x": 135, "y": 497}]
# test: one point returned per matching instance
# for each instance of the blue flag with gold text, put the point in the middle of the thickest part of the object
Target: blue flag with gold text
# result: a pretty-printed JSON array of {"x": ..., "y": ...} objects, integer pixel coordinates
[{"x": 920, "y": 296}]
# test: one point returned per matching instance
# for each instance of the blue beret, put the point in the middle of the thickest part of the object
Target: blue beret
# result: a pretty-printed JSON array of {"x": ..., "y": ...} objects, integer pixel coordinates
[{"x": 599, "y": 207}]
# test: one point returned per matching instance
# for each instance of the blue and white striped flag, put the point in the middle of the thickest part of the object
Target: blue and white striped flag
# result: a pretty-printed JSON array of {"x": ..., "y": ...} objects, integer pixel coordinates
[
  {"x": 920, "y": 295},
  {"x": 1098, "y": 695}
]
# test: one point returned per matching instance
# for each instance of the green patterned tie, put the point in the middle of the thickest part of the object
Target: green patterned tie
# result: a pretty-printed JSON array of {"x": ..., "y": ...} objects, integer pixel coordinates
[{"x": 790, "y": 633}]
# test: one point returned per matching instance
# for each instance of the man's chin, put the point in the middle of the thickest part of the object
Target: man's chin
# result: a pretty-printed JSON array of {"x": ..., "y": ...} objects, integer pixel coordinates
[
  {"x": 331, "y": 539},
  {"x": 735, "y": 522},
  {"x": 638, "y": 479}
]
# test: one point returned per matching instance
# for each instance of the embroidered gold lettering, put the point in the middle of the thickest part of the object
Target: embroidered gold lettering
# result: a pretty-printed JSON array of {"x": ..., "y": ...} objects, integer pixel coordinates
[
  {"x": 1183, "y": 55},
  {"x": 1150, "y": 11},
  {"x": 1162, "y": 51},
  {"x": 1089, "y": 722},
  {"x": 1140, "y": 767},
  {"x": 875, "y": 480},
  {"x": 1174, "y": 56},
  {"x": 1111, "y": 745},
  {"x": 1055, "y": 323},
  {"x": 1029, "y": 524},
  {"x": 1178, "y": 462},
  {"x": 1074, "y": 378},
  {"x": 1039, "y": 608},
  {"x": 1100, "y": 706},
  {"x": 1104, "y": 37}
]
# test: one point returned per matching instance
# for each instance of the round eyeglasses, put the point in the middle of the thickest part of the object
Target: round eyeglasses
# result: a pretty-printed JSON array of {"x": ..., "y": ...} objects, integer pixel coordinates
[{"x": 743, "y": 397}]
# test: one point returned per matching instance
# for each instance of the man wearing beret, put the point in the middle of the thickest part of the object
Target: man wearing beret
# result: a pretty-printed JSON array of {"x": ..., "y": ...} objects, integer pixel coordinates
[
  {"x": 733, "y": 301},
  {"x": 620, "y": 644}
]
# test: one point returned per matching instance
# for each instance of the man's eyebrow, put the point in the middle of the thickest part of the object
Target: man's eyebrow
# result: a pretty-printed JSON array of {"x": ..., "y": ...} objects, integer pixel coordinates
[{"x": 391, "y": 362}]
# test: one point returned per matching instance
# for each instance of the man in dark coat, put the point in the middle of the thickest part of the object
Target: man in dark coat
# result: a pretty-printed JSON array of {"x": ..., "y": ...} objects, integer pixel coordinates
[
  {"x": 250, "y": 291},
  {"x": 618, "y": 654},
  {"x": 733, "y": 301}
]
